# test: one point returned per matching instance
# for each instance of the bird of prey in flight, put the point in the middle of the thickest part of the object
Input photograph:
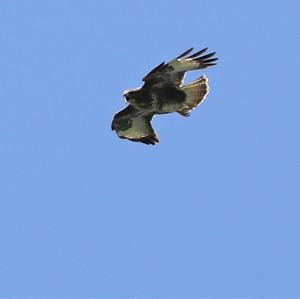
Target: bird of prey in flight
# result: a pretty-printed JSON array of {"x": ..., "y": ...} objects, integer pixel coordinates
[{"x": 163, "y": 92}]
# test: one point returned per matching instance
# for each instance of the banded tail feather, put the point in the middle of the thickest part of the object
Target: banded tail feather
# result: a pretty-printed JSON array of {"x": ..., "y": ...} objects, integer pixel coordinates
[{"x": 195, "y": 95}]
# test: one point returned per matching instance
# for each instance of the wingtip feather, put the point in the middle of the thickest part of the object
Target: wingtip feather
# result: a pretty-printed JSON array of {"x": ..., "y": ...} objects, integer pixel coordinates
[
  {"x": 185, "y": 53},
  {"x": 198, "y": 53}
]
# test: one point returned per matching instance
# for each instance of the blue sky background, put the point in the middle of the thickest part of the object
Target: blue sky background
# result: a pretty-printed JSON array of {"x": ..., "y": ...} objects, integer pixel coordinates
[{"x": 212, "y": 211}]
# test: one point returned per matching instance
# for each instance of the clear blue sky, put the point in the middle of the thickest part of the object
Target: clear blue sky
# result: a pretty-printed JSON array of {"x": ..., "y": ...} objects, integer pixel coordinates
[{"x": 212, "y": 211}]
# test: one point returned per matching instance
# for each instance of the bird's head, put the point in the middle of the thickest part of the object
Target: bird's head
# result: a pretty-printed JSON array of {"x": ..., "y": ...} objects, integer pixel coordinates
[
  {"x": 127, "y": 95},
  {"x": 130, "y": 95}
]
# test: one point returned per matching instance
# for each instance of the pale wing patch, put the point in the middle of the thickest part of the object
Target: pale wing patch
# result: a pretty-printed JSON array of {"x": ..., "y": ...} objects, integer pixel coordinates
[
  {"x": 139, "y": 128},
  {"x": 183, "y": 65}
]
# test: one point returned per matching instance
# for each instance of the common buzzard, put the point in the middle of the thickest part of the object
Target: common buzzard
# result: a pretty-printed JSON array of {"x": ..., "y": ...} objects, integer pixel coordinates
[{"x": 163, "y": 92}]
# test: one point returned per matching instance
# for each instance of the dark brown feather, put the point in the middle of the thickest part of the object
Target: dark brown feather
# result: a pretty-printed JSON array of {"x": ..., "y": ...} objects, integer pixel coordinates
[
  {"x": 198, "y": 53},
  {"x": 185, "y": 53}
]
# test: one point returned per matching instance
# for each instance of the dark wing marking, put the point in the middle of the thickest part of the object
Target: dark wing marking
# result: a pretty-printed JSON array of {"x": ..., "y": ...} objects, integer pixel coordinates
[
  {"x": 134, "y": 125},
  {"x": 185, "y": 53},
  {"x": 173, "y": 72}
]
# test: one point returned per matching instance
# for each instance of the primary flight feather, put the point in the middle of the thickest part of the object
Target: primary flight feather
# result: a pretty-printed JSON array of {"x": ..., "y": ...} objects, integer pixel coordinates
[{"x": 163, "y": 92}]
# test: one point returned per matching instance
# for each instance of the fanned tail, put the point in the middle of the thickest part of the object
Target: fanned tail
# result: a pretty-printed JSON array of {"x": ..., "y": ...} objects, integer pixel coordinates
[{"x": 195, "y": 95}]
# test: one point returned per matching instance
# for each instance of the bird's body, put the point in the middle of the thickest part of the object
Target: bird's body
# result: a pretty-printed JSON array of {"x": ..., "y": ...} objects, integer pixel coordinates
[
  {"x": 160, "y": 100},
  {"x": 163, "y": 92}
]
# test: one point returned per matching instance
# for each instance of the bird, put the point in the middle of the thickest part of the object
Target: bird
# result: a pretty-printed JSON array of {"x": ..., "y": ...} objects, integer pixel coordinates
[{"x": 163, "y": 92}]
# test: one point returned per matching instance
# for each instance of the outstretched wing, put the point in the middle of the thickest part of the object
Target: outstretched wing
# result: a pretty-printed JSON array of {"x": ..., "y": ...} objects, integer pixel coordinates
[
  {"x": 173, "y": 72},
  {"x": 134, "y": 125}
]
